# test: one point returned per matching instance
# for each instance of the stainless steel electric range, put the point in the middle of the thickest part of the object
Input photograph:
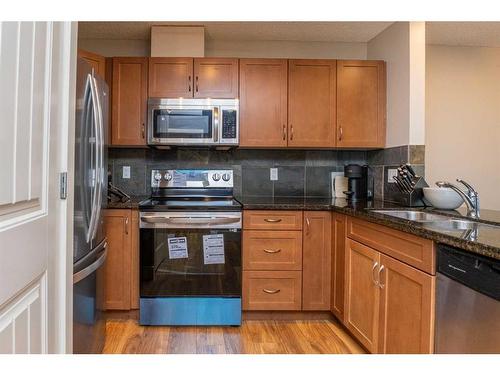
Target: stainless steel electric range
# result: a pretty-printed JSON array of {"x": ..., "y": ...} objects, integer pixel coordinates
[{"x": 190, "y": 249}]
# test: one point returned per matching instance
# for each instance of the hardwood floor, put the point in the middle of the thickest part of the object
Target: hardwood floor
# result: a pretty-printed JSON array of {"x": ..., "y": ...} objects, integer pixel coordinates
[{"x": 124, "y": 335}]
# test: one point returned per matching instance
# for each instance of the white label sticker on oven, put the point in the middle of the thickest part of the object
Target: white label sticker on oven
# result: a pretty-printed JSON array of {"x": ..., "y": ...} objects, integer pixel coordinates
[
  {"x": 213, "y": 249},
  {"x": 177, "y": 247}
]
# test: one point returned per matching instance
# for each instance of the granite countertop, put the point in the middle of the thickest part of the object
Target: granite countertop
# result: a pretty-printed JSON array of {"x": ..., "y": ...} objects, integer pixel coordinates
[
  {"x": 132, "y": 203},
  {"x": 487, "y": 241}
]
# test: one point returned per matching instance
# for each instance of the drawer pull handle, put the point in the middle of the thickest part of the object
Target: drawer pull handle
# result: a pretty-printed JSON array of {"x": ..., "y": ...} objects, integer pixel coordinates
[
  {"x": 271, "y": 291},
  {"x": 272, "y": 220},
  {"x": 272, "y": 251},
  {"x": 375, "y": 282}
]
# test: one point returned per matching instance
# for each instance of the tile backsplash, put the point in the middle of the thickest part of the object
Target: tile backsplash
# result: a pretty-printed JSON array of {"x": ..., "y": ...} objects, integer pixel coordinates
[{"x": 300, "y": 172}]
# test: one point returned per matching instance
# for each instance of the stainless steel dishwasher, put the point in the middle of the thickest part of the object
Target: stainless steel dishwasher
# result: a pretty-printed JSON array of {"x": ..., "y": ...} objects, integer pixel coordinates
[{"x": 467, "y": 302}]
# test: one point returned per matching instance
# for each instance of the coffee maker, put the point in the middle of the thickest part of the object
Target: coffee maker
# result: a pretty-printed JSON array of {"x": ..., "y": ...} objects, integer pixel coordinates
[{"x": 357, "y": 182}]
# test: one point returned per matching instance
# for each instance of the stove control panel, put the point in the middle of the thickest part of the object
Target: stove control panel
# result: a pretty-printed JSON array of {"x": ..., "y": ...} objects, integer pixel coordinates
[{"x": 192, "y": 178}]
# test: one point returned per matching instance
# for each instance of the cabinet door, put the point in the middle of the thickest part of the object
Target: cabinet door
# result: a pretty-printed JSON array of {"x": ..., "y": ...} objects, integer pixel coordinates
[
  {"x": 129, "y": 98},
  {"x": 338, "y": 265},
  {"x": 311, "y": 103},
  {"x": 362, "y": 293},
  {"x": 117, "y": 273},
  {"x": 361, "y": 103},
  {"x": 216, "y": 78},
  {"x": 406, "y": 308},
  {"x": 316, "y": 262},
  {"x": 170, "y": 77},
  {"x": 97, "y": 62},
  {"x": 263, "y": 103}
]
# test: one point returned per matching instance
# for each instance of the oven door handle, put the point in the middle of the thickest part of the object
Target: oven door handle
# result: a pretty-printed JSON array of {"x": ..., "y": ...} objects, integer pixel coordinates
[{"x": 190, "y": 220}]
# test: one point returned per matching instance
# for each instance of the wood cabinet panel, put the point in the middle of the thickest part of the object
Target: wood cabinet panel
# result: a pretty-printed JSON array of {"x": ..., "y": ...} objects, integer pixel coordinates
[
  {"x": 134, "y": 263},
  {"x": 117, "y": 275},
  {"x": 272, "y": 220},
  {"x": 316, "y": 275},
  {"x": 97, "y": 62},
  {"x": 272, "y": 250},
  {"x": 362, "y": 293},
  {"x": 216, "y": 78},
  {"x": 361, "y": 103},
  {"x": 338, "y": 265},
  {"x": 129, "y": 101},
  {"x": 171, "y": 77},
  {"x": 263, "y": 102},
  {"x": 311, "y": 103},
  {"x": 272, "y": 290},
  {"x": 406, "y": 309},
  {"x": 415, "y": 251}
]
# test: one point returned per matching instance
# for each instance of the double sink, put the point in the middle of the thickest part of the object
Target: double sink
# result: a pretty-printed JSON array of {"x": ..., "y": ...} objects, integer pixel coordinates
[{"x": 436, "y": 221}]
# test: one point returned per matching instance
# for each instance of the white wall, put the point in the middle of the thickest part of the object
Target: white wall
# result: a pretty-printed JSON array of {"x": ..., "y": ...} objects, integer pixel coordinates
[
  {"x": 402, "y": 45},
  {"x": 221, "y": 48},
  {"x": 463, "y": 118}
]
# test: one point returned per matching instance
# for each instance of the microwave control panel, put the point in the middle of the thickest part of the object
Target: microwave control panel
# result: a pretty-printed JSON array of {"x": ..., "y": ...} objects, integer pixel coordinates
[{"x": 229, "y": 124}]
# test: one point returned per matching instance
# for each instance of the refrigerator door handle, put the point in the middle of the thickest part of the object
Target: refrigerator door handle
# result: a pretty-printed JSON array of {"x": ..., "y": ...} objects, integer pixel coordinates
[
  {"x": 97, "y": 194},
  {"x": 87, "y": 271}
]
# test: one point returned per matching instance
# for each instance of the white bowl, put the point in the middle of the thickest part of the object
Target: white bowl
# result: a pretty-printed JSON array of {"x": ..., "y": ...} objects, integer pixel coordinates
[{"x": 443, "y": 198}]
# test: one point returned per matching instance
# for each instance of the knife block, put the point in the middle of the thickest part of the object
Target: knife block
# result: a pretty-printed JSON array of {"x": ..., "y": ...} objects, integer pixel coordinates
[{"x": 416, "y": 197}]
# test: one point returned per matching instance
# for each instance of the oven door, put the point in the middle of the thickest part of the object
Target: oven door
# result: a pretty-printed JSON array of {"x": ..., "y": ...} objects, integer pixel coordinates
[
  {"x": 190, "y": 254},
  {"x": 182, "y": 125}
]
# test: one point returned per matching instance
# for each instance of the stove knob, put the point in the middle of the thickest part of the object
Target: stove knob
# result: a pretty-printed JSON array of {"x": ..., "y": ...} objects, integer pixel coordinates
[
  {"x": 157, "y": 176},
  {"x": 216, "y": 177},
  {"x": 168, "y": 176},
  {"x": 226, "y": 177}
]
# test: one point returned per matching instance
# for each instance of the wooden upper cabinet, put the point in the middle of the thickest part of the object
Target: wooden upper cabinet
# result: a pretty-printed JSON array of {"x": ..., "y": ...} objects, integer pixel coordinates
[
  {"x": 338, "y": 265},
  {"x": 216, "y": 78},
  {"x": 263, "y": 103},
  {"x": 129, "y": 101},
  {"x": 362, "y": 293},
  {"x": 171, "y": 77},
  {"x": 406, "y": 309},
  {"x": 311, "y": 103},
  {"x": 97, "y": 62},
  {"x": 361, "y": 103},
  {"x": 316, "y": 262}
]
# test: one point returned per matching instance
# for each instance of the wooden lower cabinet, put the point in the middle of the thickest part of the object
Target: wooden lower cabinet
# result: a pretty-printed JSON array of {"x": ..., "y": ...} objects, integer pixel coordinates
[
  {"x": 338, "y": 265},
  {"x": 121, "y": 268},
  {"x": 272, "y": 290},
  {"x": 362, "y": 293},
  {"x": 389, "y": 305},
  {"x": 406, "y": 309},
  {"x": 316, "y": 268}
]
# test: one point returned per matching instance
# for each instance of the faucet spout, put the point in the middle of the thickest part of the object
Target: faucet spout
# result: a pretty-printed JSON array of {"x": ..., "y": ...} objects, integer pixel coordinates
[{"x": 471, "y": 200}]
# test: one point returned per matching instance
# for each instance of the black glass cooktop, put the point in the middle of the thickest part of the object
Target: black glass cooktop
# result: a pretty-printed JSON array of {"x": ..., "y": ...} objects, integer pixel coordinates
[{"x": 202, "y": 204}]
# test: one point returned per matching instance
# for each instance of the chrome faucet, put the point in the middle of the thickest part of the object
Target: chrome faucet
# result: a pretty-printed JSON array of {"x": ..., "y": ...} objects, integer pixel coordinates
[{"x": 471, "y": 198}]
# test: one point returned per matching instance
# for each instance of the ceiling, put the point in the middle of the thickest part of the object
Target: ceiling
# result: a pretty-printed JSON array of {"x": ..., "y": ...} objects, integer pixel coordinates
[
  {"x": 286, "y": 31},
  {"x": 486, "y": 34}
]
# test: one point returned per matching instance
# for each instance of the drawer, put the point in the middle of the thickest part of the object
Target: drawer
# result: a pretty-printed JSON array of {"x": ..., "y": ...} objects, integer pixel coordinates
[
  {"x": 272, "y": 250},
  {"x": 272, "y": 290},
  {"x": 413, "y": 250},
  {"x": 272, "y": 220}
]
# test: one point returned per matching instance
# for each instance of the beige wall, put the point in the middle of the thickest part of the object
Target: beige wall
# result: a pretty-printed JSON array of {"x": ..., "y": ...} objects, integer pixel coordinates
[
  {"x": 463, "y": 118},
  {"x": 402, "y": 46},
  {"x": 221, "y": 48}
]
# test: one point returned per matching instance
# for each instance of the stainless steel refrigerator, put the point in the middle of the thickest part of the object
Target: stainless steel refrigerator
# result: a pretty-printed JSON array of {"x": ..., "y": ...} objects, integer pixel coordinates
[{"x": 90, "y": 197}]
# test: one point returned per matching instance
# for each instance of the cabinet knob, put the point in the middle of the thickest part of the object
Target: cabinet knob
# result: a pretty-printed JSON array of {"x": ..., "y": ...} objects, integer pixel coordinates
[
  {"x": 341, "y": 133},
  {"x": 291, "y": 132},
  {"x": 284, "y": 132},
  {"x": 126, "y": 225},
  {"x": 143, "y": 131},
  {"x": 189, "y": 83},
  {"x": 196, "y": 83}
]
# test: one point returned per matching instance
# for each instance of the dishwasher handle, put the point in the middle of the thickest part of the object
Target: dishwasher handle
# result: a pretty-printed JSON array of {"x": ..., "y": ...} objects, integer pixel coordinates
[{"x": 477, "y": 272}]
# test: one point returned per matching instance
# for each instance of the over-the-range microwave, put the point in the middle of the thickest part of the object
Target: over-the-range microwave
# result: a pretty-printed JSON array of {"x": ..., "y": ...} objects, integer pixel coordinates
[{"x": 193, "y": 122}]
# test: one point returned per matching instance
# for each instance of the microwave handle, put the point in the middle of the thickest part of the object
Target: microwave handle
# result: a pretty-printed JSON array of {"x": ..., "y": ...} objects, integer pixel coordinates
[{"x": 216, "y": 124}]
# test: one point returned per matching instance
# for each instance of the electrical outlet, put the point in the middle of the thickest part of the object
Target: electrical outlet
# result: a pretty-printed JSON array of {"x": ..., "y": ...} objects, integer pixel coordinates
[
  {"x": 274, "y": 174},
  {"x": 126, "y": 171},
  {"x": 390, "y": 173}
]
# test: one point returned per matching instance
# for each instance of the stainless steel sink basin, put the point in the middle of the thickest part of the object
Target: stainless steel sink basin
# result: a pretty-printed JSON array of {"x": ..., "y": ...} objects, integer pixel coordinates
[
  {"x": 418, "y": 216},
  {"x": 455, "y": 224}
]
